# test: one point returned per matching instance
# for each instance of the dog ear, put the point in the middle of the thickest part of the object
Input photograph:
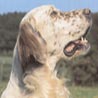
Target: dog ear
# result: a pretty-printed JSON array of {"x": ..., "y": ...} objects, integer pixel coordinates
[{"x": 31, "y": 45}]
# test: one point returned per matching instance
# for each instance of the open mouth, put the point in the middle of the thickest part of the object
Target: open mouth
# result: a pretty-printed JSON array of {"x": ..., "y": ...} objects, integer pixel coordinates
[{"x": 79, "y": 45}]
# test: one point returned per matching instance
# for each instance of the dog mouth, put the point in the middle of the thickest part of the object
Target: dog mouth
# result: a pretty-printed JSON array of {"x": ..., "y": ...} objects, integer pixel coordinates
[{"x": 78, "y": 45}]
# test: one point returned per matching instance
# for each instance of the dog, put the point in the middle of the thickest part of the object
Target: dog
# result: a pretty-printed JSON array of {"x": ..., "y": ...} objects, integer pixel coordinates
[{"x": 45, "y": 35}]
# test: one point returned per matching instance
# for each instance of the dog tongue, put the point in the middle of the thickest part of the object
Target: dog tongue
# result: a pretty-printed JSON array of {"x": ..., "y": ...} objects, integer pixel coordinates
[{"x": 71, "y": 48}]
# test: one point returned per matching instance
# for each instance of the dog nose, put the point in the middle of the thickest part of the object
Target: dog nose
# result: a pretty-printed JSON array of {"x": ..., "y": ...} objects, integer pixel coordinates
[{"x": 86, "y": 12}]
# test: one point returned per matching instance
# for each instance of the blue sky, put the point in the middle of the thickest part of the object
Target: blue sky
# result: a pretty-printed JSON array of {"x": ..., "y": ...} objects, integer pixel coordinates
[{"x": 65, "y": 5}]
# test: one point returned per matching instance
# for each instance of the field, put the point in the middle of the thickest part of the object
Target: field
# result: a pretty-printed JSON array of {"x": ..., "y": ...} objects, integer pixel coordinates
[
  {"x": 84, "y": 92},
  {"x": 76, "y": 92}
]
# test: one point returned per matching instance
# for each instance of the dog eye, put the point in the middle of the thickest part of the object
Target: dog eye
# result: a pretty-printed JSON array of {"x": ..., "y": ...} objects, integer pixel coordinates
[{"x": 53, "y": 13}]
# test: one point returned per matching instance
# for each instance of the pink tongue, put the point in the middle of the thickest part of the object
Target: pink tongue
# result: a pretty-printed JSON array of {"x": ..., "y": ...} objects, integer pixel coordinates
[
  {"x": 72, "y": 45},
  {"x": 71, "y": 48}
]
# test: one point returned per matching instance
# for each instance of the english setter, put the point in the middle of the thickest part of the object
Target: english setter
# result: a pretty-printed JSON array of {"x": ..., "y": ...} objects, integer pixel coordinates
[{"x": 45, "y": 35}]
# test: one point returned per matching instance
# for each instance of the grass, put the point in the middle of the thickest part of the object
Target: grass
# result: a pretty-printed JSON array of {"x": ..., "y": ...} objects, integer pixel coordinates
[
  {"x": 5, "y": 59},
  {"x": 5, "y": 67},
  {"x": 2, "y": 87},
  {"x": 84, "y": 92}
]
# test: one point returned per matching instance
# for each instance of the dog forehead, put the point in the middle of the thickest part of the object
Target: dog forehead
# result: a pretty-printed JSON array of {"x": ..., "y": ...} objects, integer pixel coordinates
[
  {"x": 39, "y": 11},
  {"x": 45, "y": 13}
]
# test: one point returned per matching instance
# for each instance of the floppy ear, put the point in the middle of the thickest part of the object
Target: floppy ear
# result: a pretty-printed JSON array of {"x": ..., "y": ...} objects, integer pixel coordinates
[{"x": 31, "y": 45}]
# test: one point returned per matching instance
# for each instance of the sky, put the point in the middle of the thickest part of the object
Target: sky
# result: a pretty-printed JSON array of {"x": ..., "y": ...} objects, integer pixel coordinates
[{"x": 64, "y": 5}]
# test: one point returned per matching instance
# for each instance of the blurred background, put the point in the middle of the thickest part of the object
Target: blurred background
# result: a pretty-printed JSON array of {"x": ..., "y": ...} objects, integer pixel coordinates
[{"x": 81, "y": 73}]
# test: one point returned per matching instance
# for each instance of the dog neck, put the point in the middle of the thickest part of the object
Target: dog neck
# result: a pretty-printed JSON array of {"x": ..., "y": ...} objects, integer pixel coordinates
[
  {"x": 51, "y": 62},
  {"x": 42, "y": 83}
]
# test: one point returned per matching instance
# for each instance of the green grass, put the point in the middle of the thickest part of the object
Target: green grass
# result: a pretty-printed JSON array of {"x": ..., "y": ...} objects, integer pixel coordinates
[
  {"x": 2, "y": 86},
  {"x": 5, "y": 59},
  {"x": 5, "y": 67},
  {"x": 84, "y": 92}
]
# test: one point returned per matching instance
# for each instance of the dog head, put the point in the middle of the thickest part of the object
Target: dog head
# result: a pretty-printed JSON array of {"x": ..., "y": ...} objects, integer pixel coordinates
[{"x": 46, "y": 32}]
